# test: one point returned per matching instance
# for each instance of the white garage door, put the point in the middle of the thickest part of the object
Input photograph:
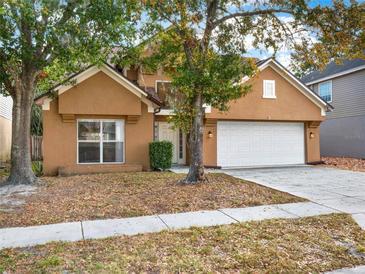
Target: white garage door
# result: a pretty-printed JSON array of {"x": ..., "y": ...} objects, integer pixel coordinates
[{"x": 243, "y": 144}]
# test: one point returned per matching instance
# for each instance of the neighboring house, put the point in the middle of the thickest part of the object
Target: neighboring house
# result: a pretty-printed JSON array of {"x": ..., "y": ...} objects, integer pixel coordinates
[
  {"x": 105, "y": 120},
  {"x": 343, "y": 86},
  {"x": 6, "y": 105}
]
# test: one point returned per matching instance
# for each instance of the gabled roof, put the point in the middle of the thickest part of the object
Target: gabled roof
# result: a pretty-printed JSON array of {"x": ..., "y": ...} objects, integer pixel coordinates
[
  {"x": 333, "y": 70},
  {"x": 260, "y": 62},
  {"x": 92, "y": 70},
  {"x": 150, "y": 93},
  {"x": 315, "y": 98}
]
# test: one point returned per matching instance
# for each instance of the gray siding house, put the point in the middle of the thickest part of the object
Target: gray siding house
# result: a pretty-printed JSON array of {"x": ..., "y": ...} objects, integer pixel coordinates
[{"x": 343, "y": 86}]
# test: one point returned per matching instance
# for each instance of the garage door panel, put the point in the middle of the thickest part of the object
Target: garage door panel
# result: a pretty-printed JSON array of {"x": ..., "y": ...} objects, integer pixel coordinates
[{"x": 259, "y": 143}]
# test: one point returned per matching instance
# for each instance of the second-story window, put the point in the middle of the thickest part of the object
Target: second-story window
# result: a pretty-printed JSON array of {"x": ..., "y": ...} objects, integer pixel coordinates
[
  {"x": 325, "y": 91},
  {"x": 164, "y": 92},
  {"x": 269, "y": 89}
]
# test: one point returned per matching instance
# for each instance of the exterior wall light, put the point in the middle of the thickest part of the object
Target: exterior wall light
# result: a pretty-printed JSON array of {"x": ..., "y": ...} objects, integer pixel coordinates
[
  {"x": 210, "y": 134},
  {"x": 311, "y": 135}
]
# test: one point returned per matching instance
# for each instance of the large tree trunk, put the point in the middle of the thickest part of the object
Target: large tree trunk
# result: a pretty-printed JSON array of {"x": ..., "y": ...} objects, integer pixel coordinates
[
  {"x": 21, "y": 164},
  {"x": 196, "y": 170}
]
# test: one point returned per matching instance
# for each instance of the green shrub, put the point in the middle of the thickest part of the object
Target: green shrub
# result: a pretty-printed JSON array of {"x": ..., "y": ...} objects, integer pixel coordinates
[
  {"x": 161, "y": 155},
  {"x": 37, "y": 167}
]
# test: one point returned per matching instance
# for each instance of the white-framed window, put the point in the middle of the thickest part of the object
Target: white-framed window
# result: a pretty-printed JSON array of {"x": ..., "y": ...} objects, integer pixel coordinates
[
  {"x": 269, "y": 89},
  {"x": 164, "y": 91},
  {"x": 325, "y": 91},
  {"x": 100, "y": 141}
]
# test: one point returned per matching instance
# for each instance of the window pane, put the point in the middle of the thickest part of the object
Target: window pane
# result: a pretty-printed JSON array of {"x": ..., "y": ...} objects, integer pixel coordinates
[
  {"x": 113, "y": 152},
  {"x": 163, "y": 91},
  {"x": 325, "y": 91},
  {"x": 269, "y": 91},
  {"x": 89, "y": 152},
  {"x": 109, "y": 131},
  {"x": 166, "y": 93},
  {"x": 269, "y": 88},
  {"x": 112, "y": 131},
  {"x": 89, "y": 130}
]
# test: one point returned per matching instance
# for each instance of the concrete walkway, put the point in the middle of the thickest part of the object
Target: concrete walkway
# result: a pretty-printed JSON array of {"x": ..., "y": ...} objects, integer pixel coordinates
[
  {"x": 353, "y": 270},
  {"x": 75, "y": 231},
  {"x": 342, "y": 190},
  {"x": 338, "y": 189}
]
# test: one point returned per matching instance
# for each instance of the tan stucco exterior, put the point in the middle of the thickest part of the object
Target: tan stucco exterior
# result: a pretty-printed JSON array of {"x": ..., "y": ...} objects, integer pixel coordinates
[
  {"x": 101, "y": 97},
  {"x": 149, "y": 80},
  {"x": 313, "y": 153},
  {"x": 5, "y": 139},
  {"x": 289, "y": 105},
  {"x": 98, "y": 97}
]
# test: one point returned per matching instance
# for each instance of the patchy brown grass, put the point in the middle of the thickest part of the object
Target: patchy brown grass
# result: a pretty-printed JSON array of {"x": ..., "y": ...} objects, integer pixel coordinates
[
  {"x": 344, "y": 163},
  {"x": 306, "y": 245},
  {"x": 62, "y": 199}
]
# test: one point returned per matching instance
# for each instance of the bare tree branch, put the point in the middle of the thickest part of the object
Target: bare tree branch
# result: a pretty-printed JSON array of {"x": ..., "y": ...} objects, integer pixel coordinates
[
  {"x": 288, "y": 32},
  {"x": 247, "y": 14},
  {"x": 235, "y": 18},
  {"x": 66, "y": 15},
  {"x": 42, "y": 44},
  {"x": 212, "y": 7}
]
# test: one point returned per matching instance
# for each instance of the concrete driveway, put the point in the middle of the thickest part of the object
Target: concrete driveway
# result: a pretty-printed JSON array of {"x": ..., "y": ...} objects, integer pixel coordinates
[{"x": 338, "y": 189}]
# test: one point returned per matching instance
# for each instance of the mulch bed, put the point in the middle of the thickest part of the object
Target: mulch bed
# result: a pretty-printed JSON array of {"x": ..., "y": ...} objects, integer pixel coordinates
[
  {"x": 306, "y": 245},
  {"x": 101, "y": 196},
  {"x": 344, "y": 163}
]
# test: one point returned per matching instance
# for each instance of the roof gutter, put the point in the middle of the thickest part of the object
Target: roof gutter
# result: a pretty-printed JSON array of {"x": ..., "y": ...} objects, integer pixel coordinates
[{"x": 154, "y": 100}]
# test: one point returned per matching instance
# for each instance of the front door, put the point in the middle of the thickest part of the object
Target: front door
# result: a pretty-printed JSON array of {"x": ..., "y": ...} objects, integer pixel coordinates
[{"x": 176, "y": 137}]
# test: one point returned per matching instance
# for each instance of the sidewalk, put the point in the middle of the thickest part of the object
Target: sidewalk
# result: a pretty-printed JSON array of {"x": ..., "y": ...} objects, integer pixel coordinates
[
  {"x": 354, "y": 270},
  {"x": 97, "y": 229}
]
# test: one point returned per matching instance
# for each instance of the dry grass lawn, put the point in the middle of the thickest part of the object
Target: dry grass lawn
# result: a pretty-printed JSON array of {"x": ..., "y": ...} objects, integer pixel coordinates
[
  {"x": 345, "y": 163},
  {"x": 307, "y": 245},
  {"x": 85, "y": 197}
]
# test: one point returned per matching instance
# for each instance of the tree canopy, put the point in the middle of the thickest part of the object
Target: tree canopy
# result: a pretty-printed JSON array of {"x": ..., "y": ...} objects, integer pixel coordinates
[
  {"x": 341, "y": 29},
  {"x": 44, "y": 40},
  {"x": 55, "y": 37}
]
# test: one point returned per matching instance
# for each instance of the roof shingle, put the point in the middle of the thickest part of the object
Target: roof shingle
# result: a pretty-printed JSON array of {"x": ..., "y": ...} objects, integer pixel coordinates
[{"x": 333, "y": 68}]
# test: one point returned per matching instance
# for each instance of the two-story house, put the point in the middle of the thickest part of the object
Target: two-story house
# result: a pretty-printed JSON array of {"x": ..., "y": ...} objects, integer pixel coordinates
[
  {"x": 342, "y": 86},
  {"x": 103, "y": 119}
]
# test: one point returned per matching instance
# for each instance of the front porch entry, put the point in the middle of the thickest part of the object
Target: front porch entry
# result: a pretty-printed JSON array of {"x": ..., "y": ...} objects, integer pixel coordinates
[{"x": 165, "y": 132}]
